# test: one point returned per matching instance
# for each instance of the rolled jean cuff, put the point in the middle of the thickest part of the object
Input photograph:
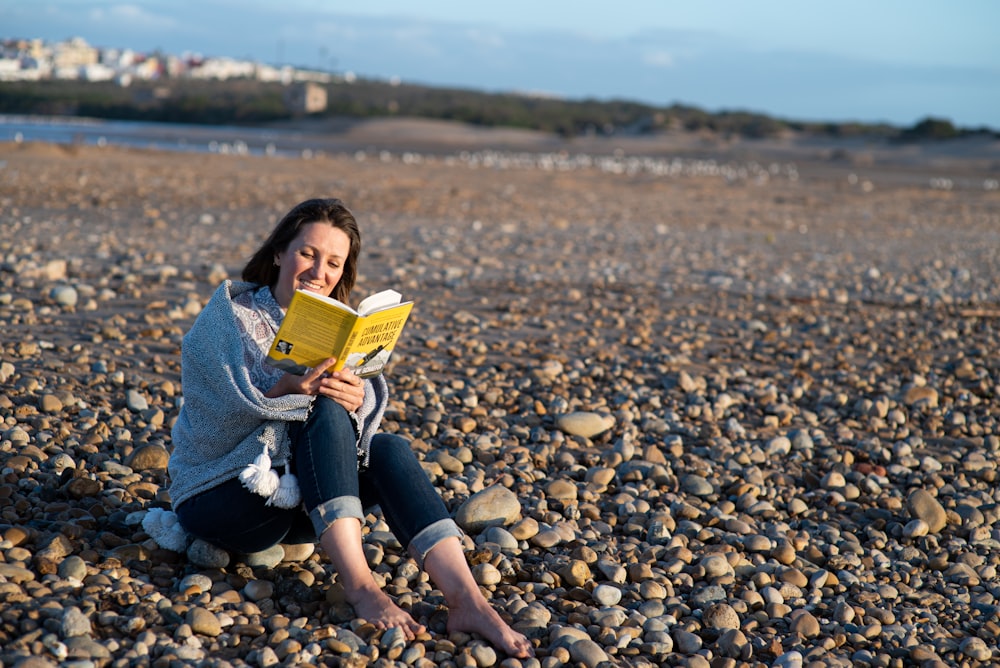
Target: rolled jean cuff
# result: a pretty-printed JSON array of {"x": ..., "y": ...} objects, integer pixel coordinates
[
  {"x": 430, "y": 536},
  {"x": 326, "y": 513}
]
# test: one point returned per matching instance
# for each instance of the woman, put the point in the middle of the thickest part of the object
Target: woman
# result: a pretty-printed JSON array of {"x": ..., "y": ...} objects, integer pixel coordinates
[{"x": 241, "y": 416}]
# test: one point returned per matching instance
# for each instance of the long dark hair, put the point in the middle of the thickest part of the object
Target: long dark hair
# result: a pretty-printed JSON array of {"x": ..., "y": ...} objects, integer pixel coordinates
[{"x": 261, "y": 268}]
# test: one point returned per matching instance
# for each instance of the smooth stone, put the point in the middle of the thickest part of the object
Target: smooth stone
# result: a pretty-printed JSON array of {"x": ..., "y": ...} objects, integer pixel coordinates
[
  {"x": 576, "y": 573},
  {"x": 606, "y": 595},
  {"x": 17, "y": 435},
  {"x": 45, "y": 662},
  {"x": 75, "y": 623},
  {"x": 55, "y": 270},
  {"x": 706, "y": 596},
  {"x": 916, "y": 528},
  {"x": 49, "y": 403},
  {"x": 501, "y": 537},
  {"x": 392, "y": 638},
  {"x": 778, "y": 446},
  {"x": 733, "y": 643},
  {"x": 61, "y": 462},
  {"x": 546, "y": 538},
  {"x": 484, "y": 655},
  {"x": 721, "y": 616},
  {"x": 697, "y": 485},
  {"x": 72, "y": 567},
  {"x": 716, "y": 565},
  {"x": 64, "y": 295},
  {"x": 588, "y": 652},
  {"x": 494, "y": 506},
  {"x": 149, "y": 457},
  {"x": 922, "y": 505},
  {"x": 197, "y": 583},
  {"x": 584, "y": 423},
  {"x": 267, "y": 657},
  {"x": 206, "y": 555},
  {"x": 16, "y": 574},
  {"x": 267, "y": 558},
  {"x": 600, "y": 476},
  {"x": 686, "y": 642},
  {"x": 805, "y": 624},
  {"x": 448, "y": 462},
  {"x": 834, "y": 480},
  {"x": 609, "y": 617},
  {"x": 976, "y": 649},
  {"x": 791, "y": 659},
  {"x": 135, "y": 400},
  {"x": 297, "y": 552},
  {"x": 757, "y": 543},
  {"x": 80, "y": 647},
  {"x": 203, "y": 622},
  {"x": 921, "y": 395},
  {"x": 525, "y": 528},
  {"x": 561, "y": 490},
  {"x": 258, "y": 590},
  {"x": 651, "y": 590},
  {"x": 486, "y": 574}
]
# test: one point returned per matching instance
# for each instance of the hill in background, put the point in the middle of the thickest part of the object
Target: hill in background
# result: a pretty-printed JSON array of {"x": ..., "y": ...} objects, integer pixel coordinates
[{"x": 246, "y": 102}]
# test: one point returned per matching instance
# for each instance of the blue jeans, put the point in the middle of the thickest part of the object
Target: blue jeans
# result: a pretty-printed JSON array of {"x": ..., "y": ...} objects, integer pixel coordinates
[{"x": 325, "y": 461}]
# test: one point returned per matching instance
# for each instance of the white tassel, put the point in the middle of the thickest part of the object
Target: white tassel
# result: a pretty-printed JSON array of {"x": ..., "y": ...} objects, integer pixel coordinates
[
  {"x": 287, "y": 495},
  {"x": 258, "y": 476},
  {"x": 163, "y": 527}
]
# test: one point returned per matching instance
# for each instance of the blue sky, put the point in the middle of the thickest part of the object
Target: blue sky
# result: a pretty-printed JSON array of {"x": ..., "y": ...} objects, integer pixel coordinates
[{"x": 866, "y": 60}]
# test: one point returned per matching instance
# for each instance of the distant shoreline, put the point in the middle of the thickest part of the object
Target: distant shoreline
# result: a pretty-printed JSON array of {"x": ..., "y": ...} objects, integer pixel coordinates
[{"x": 972, "y": 157}]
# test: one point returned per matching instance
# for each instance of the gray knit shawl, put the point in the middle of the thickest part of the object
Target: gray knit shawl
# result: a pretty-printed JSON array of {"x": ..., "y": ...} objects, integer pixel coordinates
[{"x": 226, "y": 421}]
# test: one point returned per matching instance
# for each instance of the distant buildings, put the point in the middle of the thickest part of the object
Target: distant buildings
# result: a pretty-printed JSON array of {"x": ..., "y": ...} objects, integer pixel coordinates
[{"x": 74, "y": 59}]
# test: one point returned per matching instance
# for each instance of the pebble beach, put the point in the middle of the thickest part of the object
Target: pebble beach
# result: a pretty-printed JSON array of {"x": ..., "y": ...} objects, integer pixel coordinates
[{"x": 702, "y": 407}]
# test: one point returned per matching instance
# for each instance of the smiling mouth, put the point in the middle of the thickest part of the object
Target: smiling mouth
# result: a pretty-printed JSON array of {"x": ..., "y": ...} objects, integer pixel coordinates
[{"x": 306, "y": 285}]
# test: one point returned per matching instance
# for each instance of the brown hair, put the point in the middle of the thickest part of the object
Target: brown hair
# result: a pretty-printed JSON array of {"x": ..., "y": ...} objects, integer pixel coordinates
[{"x": 261, "y": 268}]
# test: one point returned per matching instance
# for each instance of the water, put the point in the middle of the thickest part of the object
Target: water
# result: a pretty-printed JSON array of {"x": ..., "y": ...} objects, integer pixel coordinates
[{"x": 164, "y": 136}]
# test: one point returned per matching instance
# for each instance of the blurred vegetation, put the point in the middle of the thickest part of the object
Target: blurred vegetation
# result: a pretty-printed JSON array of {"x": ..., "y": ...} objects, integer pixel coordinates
[{"x": 247, "y": 102}]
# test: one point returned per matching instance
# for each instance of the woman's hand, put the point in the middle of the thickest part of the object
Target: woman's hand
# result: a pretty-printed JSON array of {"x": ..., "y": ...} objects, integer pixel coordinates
[{"x": 342, "y": 386}]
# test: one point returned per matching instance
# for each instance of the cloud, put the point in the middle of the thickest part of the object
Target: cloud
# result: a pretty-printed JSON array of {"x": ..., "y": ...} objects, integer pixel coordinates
[
  {"x": 658, "y": 58},
  {"x": 132, "y": 16},
  {"x": 491, "y": 40}
]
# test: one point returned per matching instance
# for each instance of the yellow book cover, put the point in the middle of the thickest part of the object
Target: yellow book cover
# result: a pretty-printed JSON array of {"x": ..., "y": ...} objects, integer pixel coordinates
[{"x": 317, "y": 327}]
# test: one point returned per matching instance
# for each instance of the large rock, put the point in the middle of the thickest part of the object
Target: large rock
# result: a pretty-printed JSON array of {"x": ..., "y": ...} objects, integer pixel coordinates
[
  {"x": 149, "y": 457},
  {"x": 922, "y": 505},
  {"x": 585, "y": 424},
  {"x": 494, "y": 506}
]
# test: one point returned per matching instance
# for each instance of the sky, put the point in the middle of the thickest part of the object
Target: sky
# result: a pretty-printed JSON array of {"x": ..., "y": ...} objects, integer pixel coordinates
[{"x": 893, "y": 61}]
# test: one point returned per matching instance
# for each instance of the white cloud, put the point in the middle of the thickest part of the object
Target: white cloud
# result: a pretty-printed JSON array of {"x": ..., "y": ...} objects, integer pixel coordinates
[
  {"x": 132, "y": 16},
  {"x": 658, "y": 58},
  {"x": 485, "y": 39}
]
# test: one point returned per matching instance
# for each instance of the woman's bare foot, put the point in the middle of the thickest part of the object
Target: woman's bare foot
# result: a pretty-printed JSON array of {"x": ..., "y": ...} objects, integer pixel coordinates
[
  {"x": 375, "y": 606},
  {"x": 480, "y": 617}
]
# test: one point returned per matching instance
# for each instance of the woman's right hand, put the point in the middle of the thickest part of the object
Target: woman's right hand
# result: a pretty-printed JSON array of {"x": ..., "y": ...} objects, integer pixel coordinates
[{"x": 311, "y": 382}]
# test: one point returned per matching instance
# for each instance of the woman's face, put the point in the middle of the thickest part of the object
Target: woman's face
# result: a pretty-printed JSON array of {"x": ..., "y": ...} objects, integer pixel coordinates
[{"x": 313, "y": 261}]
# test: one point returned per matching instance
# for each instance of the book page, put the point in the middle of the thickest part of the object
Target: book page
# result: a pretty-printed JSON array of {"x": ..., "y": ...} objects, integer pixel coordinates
[{"x": 379, "y": 301}]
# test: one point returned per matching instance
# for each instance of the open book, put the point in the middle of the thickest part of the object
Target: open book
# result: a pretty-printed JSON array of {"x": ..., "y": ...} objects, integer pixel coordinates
[{"x": 317, "y": 327}]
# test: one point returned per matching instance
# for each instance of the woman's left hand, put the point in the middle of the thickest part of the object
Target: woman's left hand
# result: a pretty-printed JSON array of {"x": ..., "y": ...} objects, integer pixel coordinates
[{"x": 343, "y": 387}]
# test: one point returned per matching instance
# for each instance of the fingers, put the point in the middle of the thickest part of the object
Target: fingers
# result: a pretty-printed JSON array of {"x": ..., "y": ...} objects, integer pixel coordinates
[
  {"x": 343, "y": 387},
  {"x": 320, "y": 369}
]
